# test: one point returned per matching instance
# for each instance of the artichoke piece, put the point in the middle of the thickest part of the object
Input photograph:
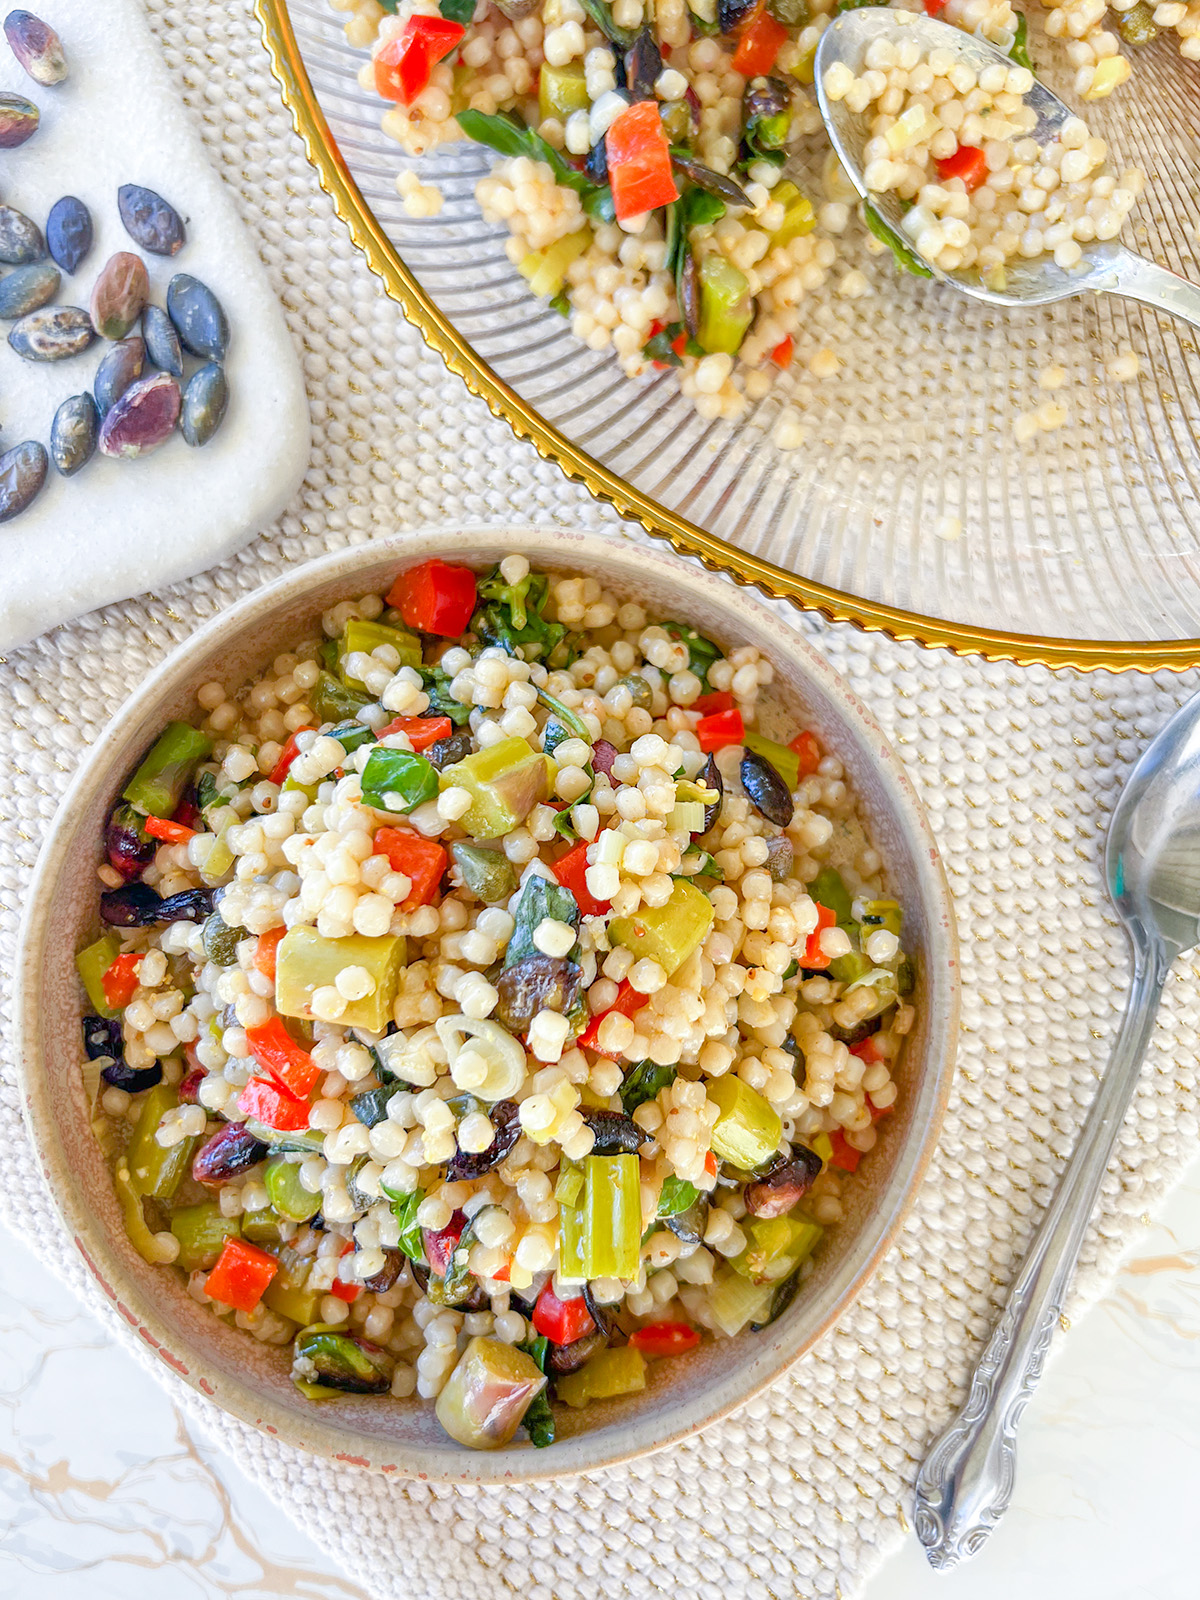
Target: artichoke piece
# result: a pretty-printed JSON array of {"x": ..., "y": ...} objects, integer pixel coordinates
[
  {"x": 488, "y": 1393},
  {"x": 670, "y": 933},
  {"x": 505, "y": 782},
  {"x": 306, "y": 961},
  {"x": 325, "y": 1355},
  {"x": 747, "y": 1128}
]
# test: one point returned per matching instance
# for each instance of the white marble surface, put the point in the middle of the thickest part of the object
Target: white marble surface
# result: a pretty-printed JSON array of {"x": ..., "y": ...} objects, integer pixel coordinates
[{"x": 106, "y": 1491}]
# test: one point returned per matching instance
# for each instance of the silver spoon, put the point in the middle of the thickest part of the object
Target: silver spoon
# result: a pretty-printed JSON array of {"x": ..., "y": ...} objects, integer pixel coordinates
[
  {"x": 1107, "y": 267},
  {"x": 1152, "y": 869}
]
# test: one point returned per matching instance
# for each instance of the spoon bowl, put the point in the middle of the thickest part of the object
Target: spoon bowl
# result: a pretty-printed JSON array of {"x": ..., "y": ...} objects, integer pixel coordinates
[
  {"x": 1152, "y": 870},
  {"x": 1107, "y": 267}
]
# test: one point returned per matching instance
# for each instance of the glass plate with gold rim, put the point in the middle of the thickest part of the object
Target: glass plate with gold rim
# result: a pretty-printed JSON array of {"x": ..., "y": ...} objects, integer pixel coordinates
[{"x": 910, "y": 507}]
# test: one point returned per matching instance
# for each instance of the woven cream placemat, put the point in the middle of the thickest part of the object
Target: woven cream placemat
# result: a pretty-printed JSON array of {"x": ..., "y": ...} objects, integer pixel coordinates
[{"x": 801, "y": 1492}]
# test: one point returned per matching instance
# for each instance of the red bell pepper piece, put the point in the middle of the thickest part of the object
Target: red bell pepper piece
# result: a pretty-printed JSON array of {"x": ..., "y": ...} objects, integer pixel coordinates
[
  {"x": 867, "y": 1050},
  {"x": 813, "y": 955},
  {"x": 422, "y": 861},
  {"x": 441, "y": 1244},
  {"x": 267, "y": 1102},
  {"x": 806, "y": 747},
  {"x": 760, "y": 42},
  {"x": 710, "y": 1164},
  {"x": 629, "y": 1000},
  {"x": 845, "y": 1157},
  {"x": 241, "y": 1275},
  {"x": 273, "y": 1047},
  {"x": 664, "y": 1338},
  {"x": 935, "y": 7},
  {"x": 561, "y": 1321},
  {"x": 571, "y": 870},
  {"x": 435, "y": 597},
  {"x": 287, "y": 755},
  {"x": 639, "y": 161},
  {"x": 405, "y": 64},
  {"x": 782, "y": 353},
  {"x": 266, "y": 951},
  {"x": 121, "y": 980},
  {"x": 421, "y": 731},
  {"x": 721, "y": 728},
  {"x": 968, "y": 163},
  {"x": 349, "y": 1292},
  {"x": 876, "y": 1111},
  {"x": 716, "y": 700},
  {"x": 168, "y": 832}
]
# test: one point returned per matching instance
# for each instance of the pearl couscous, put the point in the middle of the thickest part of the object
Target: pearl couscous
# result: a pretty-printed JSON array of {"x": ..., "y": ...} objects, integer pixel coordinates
[
  {"x": 643, "y": 150},
  {"x": 485, "y": 1003}
]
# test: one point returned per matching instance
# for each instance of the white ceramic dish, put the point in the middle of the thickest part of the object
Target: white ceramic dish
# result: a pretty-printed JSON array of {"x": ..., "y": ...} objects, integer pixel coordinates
[{"x": 251, "y": 1381}]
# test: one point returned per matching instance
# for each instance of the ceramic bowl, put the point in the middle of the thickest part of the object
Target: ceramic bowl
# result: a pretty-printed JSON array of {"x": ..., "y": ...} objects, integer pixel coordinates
[{"x": 250, "y": 1380}]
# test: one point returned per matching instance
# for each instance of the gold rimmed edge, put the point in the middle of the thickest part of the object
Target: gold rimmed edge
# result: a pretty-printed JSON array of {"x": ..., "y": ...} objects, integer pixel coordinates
[{"x": 684, "y": 537}]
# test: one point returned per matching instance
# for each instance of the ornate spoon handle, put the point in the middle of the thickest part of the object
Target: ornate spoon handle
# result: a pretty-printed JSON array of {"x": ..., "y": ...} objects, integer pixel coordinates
[{"x": 966, "y": 1481}]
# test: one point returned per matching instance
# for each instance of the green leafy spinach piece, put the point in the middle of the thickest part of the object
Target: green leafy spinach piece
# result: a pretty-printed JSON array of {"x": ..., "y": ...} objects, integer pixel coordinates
[
  {"x": 906, "y": 261},
  {"x": 538, "y": 1421},
  {"x": 508, "y": 136},
  {"x": 441, "y": 702},
  {"x": 539, "y": 899},
  {"x": 643, "y": 1083}
]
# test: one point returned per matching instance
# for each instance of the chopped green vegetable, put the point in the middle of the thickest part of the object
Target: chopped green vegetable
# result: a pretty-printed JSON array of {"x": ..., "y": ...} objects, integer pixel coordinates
[
  {"x": 333, "y": 701},
  {"x": 404, "y": 1209},
  {"x": 561, "y": 90},
  {"x": 441, "y": 702},
  {"x": 568, "y": 1191},
  {"x": 92, "y": 963},
  {"x": 488, "y": 874},
  {"x": 726, "y": 305},
  {"x": 733, "y": 1301},
  {"x": 397, "y": 781},
  {"x": 262, "y": 1227},
  {"x": 906, "y": 261},
  {"x": 202, "y": 1231},
  {"x": 508, "y": 136},
  {"x": 644, "y": 1082},
  {"x": 140, "y": 1236},
  {"x": 609, "y": 1373},
  {"x": 702, "y": 652},
  {"x": 775, "y": 1246},
  {"x": 746, "y": 1132},
  {"x": 676, "y": 1196},
  {"x": 601, "y": 14},
  {"x": 539, "y": 899},
  {"x": 153, "y": 1171},
  {"x": 510, "y": 615},
  {"x": 1020, "y": 45},
  {"x": 287, "y": 1194},
  {"x": 158, "y": 785},
  {"x": 883, "y": 914},
  {"x": 576, "y": 727},
  {"x": 799, "y": 218},
  {"x": 538, "y": 1420},
  {"x": 370, "y": 1107},
  {"x": 612, "y": 1216},
  {"x": 829, "y": 890},
  {"x": 352, "y": 735},
  {"x": 360, "y": 637},
  {"x": 457, "y": 10}
]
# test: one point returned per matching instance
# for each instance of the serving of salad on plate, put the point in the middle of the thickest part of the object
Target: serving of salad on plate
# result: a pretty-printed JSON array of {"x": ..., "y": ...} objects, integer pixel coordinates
[{"x": 492, "y": 998}]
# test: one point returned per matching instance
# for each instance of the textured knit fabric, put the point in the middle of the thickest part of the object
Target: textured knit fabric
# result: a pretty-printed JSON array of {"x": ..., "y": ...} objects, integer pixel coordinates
[{"x": 800, "y": 1493}]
